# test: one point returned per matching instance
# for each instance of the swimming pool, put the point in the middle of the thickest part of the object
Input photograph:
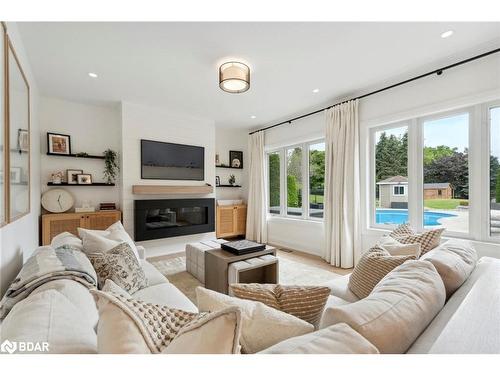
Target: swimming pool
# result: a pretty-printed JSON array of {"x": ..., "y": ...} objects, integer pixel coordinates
[{"x": 401, "y": 217}]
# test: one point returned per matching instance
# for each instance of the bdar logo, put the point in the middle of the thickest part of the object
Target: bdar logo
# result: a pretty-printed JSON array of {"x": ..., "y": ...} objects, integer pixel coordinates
[{"x": 8, "y": 347}]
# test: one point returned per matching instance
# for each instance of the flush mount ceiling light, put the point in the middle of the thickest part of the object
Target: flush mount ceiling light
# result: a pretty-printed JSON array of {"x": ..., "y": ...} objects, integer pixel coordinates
[
  {"x": 253, "y": 116},
  {"x": 234, "y": 77},
  {"x": 315, "y": 91},
  {"x": 92, "y": 75},
  {"x": 447, "y": 34}
]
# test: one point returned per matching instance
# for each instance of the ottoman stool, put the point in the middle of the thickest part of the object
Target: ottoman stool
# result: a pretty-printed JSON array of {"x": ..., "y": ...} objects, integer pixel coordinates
[{"x": 195, "y": 257}]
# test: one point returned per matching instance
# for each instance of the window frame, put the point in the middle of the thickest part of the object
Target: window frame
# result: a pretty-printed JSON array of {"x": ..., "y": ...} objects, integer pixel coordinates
[
  {"x": 485, "y": 192},
  {"x": 282, "y": 150},
  {"x": 398, "y": 194}
]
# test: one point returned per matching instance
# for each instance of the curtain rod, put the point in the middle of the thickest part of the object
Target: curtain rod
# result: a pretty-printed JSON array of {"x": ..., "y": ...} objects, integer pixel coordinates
[{"x": 436, "y": 71}]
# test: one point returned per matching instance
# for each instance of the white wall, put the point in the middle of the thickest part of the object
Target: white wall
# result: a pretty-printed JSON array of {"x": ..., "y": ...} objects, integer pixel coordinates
[
  {"x": 235, "y": 140},
  {"x": 143, "y": 122},
  {"x": 93, "y": 129},
  {"x": 20, "y": 238},
  {"x": 465, "y": 85}
]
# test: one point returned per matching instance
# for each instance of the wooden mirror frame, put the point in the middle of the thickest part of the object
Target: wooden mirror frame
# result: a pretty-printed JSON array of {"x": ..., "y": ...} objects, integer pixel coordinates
[{"x": 3, "y": 121}]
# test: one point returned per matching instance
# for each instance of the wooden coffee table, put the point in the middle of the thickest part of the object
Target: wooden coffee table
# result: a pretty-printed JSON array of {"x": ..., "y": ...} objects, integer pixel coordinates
[{"x": 217, "y": 262}]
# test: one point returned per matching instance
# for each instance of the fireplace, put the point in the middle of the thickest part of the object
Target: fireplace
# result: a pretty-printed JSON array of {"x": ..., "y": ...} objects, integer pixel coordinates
[{"x": 163, "y": 218}]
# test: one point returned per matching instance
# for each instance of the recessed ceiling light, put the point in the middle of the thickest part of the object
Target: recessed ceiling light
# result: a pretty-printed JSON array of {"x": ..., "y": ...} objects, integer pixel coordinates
[
  {"x": 447, "y": 34},
  {"x": 253, "y": 116},
  {"x": 93, "y": 75},
  {"x": 315, "y": 91}
]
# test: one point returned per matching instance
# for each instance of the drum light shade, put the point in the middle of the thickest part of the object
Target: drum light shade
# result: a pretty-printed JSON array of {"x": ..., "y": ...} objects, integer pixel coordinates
[{"x": 234, "y": 77}]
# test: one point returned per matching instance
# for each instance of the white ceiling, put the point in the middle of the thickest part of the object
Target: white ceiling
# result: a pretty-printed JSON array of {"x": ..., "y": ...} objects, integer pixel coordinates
[{"x": 175, "y": 65}]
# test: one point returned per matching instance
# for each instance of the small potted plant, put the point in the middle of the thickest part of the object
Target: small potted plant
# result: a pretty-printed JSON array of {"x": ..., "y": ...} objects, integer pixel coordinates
[
  {"x": 111, "y": 167},
  {"x": 232, "y": 180}
]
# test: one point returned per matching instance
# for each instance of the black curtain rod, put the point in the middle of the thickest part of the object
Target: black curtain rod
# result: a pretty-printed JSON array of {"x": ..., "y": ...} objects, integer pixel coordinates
[{"x": 437, "y": 71}]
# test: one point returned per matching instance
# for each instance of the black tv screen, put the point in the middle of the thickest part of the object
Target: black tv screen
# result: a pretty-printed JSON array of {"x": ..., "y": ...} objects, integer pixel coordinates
[{"x": 171, "y": 161}]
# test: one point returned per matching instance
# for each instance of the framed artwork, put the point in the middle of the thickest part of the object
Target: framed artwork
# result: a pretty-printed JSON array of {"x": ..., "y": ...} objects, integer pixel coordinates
[
  {"x": 15, "y": 175},
  {"x": 236, "y": 159},
  {"x": 23, "y": 140},
  {"x": 84, "y": 179},
  {"x": 58, "y": 144},
  {"x": 72, "y": 175},
  {"x": 217, "y": 181}
]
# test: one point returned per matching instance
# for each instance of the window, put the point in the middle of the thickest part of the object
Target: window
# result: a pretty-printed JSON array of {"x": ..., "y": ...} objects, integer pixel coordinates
[
  {"x": 294, "y": 181},
  {"x": 446, "y": 168},
  {"x": 316, "y": 179},
  {"x": 391, "y": 176},
  {"x": 274, "y": 182},
  {"x": 494, "y": 185}
]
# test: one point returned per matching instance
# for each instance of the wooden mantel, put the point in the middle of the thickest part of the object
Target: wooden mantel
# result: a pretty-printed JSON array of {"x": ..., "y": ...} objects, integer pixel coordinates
[{"x": 171, "y": 189}]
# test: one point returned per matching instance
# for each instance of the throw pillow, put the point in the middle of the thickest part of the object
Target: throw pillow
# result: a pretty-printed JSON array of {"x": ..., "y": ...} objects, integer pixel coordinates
[
  {"x": 101, "y": 241},
  {"x": 127, "y": 326},
  {"x": 261, "y": 325},
  {"x": 454, "y": 261},
  {"x": 427, "y": 240},
  {"x": 120, "y": 265},
  {"x": 400, "y": 307},
  {"x": 371, "y": 268},
  {"x": 402, "y": 230},
  {"x": 395, "y": 247},
  {"x": 304, "y": 302}
]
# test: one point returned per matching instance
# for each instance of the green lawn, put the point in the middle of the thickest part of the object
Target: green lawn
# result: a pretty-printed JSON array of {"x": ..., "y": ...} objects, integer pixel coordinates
[
  {"x": 316, "y": 198},
  {"x": 443, "y": 204}
]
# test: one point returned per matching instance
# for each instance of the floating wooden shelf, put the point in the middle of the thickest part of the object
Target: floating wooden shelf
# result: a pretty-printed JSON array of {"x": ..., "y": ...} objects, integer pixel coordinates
[
  {"x": 93, "y": 184},
  {"x": 171, "y": 189},
  {"x": 227, "y": 166},
  {"x": 229, "y": 186},
  {"x": 78, "y": 156}
]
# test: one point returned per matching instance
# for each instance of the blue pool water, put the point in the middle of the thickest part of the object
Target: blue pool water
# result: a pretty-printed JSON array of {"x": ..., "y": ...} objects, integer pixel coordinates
[{"x": 401, "y": 217}]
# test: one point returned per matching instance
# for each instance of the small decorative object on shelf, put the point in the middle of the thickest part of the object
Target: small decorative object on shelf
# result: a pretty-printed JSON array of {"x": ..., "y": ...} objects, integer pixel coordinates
[
  {"x": 23, "y": 140},
  {"x": 236, "y": 159},
  {"x": 56, "y": 178},
  {"x": 111, "y": 167},
  {"x": 58, "y": 144},
  {"x": 86, "y": 207},
  {"x": 107, "y": 206},
  {"x": 81, "y": 155},
  {"x": 217, "y": 159},
  {"x": 72, "y": 174},
  {"x": 217, "y": 181},
  {"x": 232, "y": 180},
  {"x": 84, "y": 179}
]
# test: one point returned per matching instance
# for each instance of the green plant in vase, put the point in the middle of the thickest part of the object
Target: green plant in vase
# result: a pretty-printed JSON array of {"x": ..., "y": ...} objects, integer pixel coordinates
[
  {"x": 232, "y": 180},
  {"x": 111, "y": 167}
]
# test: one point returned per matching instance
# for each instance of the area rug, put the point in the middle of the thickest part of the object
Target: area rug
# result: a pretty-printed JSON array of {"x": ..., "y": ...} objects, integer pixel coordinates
[{"x": 290, "y": 273}]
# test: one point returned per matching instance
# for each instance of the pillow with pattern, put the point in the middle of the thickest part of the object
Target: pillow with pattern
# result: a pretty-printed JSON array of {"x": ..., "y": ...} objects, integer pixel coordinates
[
  {"x": 402, "y": 231},
  {"x": 121, "y": 266},
  {"x": 304, "y": 302},
  {"x": 373, "y": 266},
  {"x": 127, "y": 325},
  {"x": 428, "y": 240}
]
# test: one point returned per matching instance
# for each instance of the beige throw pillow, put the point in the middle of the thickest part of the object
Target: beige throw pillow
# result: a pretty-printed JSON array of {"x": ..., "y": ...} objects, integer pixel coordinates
[
  {"x": 454, "y": 261},
  {"x": 402, "y": 231},
  {"x": 304, "y": 302},
  {"x": 395, "y": 247},
  {"x": 427, "y": 240},
  {"x": 130, "y": 326},
  {"x": 400, "y": 307},
  {"x": 336, "y": 339},
  {"x": 371, "y": 268},
  {"x": 262, "y": 326},
  {"x": 120, "y": 265}
]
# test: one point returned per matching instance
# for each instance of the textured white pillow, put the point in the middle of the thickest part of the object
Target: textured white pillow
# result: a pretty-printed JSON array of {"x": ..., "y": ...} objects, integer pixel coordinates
[
  {"x": 454, "y": 261},
  {"x": 336, "y": 339},
  {"x": 262, "y": 326},
  {"x": 101, "y": 241},
  {"x": 398, "y": 309},
  {"x": 395, "y": 247}
]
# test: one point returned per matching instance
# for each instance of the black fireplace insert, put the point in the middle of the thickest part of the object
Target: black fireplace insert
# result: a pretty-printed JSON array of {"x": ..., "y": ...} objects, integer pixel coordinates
[{"x": 163, "y": 218}]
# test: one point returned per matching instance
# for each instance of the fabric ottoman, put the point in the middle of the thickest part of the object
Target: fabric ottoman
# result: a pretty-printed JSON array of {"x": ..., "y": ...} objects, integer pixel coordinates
[{"x": 195, "y": 257}]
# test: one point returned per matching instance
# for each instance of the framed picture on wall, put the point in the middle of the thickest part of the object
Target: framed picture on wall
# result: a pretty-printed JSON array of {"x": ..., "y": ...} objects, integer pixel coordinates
[
  {"x": 58, "y": 144},
  {"x": 236, "y": 159},
  {"x": 84, "y": 179},
  {"x": 72, "y": 176}
]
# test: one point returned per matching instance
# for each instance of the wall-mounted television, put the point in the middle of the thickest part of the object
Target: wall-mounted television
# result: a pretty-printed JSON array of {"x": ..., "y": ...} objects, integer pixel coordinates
[{"x": 172, "y": 161}]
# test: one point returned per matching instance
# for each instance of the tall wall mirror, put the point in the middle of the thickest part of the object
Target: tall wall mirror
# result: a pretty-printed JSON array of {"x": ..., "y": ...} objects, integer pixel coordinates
[
  {"x": 18, "y": 136},
  {"x": 3, "y": 125}
]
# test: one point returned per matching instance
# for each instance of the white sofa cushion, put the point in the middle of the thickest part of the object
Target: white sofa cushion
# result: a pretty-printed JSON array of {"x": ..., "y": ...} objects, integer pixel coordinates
[
  {"x": 336, "y": 339},
  {"x": 395, "y": 247},
  {"x": 101, "y": 241},
  {"x": 48, "y": 316},
  {"x": 262, "y": 326},
  {"x": 454, "y": 261},
  {"x": 399, "y": 308},
  {"x": 153, "y": 275},
  {"x": 166, "y": 294},
  {"x": 339, "y": 287}
]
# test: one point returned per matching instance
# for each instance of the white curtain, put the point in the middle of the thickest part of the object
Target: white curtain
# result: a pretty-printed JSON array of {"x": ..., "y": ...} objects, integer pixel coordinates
[
  {"x": 342, "y": 190},
  {"x": 257, "y": 201}
]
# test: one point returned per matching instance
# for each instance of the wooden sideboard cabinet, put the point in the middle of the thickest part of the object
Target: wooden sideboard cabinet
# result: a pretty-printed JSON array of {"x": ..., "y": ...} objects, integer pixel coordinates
[
  {"x": 231, "y": 221},
  {"x": 54, "y": 224}
]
